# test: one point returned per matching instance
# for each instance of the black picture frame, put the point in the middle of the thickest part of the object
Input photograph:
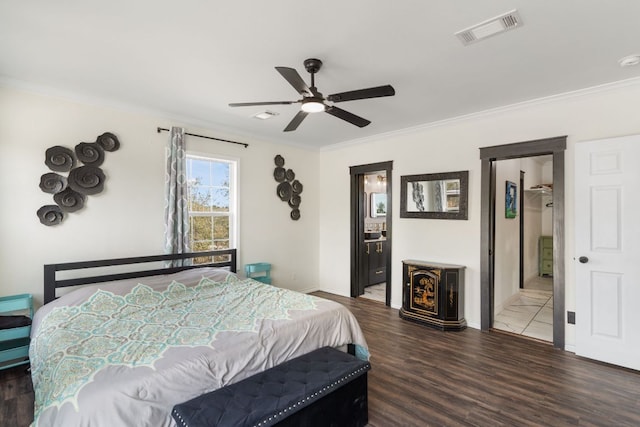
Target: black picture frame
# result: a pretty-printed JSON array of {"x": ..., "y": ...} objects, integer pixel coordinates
[
  {"x": 454, "y": 187},
  {"x": 510, "y": 200}
]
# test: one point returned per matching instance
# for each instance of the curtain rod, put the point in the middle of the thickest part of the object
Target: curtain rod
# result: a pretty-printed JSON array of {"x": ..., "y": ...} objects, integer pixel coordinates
[{"x": 207, "y": 137}]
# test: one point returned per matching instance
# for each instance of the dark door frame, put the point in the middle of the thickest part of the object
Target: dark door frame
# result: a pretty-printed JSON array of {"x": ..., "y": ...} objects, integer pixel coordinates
[
  {"x": 357, "y": 221},
  {"x": 488, "y": 155},
  {"x": 521, "y": 207}
]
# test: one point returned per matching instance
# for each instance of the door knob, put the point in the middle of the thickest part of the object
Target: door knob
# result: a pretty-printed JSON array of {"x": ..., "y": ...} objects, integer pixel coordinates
[{"x": 583, "y": 259}]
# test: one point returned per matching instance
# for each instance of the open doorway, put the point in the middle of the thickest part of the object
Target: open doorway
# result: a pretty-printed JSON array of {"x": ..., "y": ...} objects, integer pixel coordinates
[
  {"x": 371, "y": 231},
  {"x": 523, "y": 273},
  {"x": 489, "y": 156}
]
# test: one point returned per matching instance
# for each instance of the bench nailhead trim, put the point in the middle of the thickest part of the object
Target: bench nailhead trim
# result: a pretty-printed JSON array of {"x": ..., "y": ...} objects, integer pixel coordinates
[
  {"x": 182, "y": 422},
  {"x": 366, "y": 367}
]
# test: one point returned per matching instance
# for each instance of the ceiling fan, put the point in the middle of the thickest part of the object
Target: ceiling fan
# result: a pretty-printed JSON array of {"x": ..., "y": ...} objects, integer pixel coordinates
[{"x": 314, "y": 102}]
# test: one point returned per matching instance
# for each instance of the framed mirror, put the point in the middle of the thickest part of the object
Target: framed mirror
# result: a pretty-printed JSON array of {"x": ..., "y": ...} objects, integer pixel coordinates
[
  {"x": 434, "y": 195},
  {"x": 378, "y": 205}
]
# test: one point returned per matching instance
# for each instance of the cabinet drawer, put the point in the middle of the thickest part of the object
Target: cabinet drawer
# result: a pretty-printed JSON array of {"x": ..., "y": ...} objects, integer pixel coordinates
[
  {"x": 547, "y": 253},
  {"x": 377, "y": 275},
  {"x": 546, "y": 267}
]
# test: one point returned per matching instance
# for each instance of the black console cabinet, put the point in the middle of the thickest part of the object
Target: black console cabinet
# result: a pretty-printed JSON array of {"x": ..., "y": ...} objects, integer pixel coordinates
[{"x": 433, "y": 294}]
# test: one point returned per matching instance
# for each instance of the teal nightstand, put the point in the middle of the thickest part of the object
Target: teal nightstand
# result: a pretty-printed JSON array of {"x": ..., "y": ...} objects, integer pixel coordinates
[
  {"x": 260, "y": 271},
  {"x": 15, "y": 329}
]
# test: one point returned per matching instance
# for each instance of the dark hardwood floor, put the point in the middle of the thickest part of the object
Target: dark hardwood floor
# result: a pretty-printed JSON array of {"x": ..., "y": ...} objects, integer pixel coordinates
[
  {"x": 16, "y": 397},
  {"x": 425, "y": 377}
]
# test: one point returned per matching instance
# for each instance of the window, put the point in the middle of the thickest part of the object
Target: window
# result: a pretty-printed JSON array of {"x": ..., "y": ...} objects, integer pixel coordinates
[{"x": 211, "y": 185}]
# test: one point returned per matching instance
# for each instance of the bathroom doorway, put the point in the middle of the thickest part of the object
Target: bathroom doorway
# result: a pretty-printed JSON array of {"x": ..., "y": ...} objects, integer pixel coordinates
[{"x": 371, "y": 231}]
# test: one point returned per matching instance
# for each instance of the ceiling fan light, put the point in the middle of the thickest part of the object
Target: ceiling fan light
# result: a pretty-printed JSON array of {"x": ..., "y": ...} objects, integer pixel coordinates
[{"x": 312, "y": 106}]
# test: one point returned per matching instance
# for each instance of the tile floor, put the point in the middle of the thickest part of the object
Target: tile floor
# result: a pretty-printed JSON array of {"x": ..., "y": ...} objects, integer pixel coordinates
[
  {"x": 530, "y": 313},
  {"x": 375, "y": 292}
]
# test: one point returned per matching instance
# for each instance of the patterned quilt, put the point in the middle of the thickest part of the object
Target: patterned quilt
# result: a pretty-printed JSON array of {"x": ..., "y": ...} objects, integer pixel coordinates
[{"x": 124, "y": 353}]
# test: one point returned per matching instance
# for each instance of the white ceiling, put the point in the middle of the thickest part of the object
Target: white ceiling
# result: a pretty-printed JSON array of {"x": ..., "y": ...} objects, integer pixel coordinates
[{"x": 188, "y": 59}]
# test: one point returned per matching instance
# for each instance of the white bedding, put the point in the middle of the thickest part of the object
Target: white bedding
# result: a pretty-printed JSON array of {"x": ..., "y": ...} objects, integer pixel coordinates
[{"x": 124, "y": 353}]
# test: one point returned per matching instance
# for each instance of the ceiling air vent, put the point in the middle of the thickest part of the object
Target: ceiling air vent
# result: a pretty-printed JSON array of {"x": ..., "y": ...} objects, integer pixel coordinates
[
  {"x": 264, "y": 115},
  {"x": 491, "y": 27}
]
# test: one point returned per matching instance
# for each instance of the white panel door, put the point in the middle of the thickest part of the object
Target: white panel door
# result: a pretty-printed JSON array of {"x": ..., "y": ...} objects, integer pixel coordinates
[{"x": 607, "y": 230}]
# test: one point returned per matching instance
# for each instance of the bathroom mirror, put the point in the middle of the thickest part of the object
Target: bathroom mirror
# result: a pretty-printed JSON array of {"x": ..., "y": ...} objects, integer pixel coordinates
[
  {"x": 434, "y": 195},
  {"x": 378, "y": 205}
]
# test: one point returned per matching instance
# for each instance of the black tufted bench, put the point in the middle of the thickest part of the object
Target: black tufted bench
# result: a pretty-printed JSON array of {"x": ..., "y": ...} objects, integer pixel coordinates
[{"x": 325, "y": 387}]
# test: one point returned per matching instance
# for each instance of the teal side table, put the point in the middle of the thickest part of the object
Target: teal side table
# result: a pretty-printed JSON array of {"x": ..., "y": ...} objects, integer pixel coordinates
[
  {"x": 15, "y": 330},
  {"x": 260, "y": 271}
]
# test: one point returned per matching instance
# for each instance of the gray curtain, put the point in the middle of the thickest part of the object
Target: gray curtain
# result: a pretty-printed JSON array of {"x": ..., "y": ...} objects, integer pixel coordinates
[{"x": 176, "y": 209}]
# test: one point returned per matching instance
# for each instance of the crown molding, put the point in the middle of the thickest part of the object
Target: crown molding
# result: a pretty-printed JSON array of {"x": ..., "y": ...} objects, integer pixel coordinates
[{"x": 490, "y": 112}]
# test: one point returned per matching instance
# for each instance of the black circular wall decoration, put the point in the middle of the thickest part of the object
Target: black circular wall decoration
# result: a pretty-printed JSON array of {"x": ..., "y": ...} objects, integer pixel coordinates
[
  {"x": 279, "y": 174},
  {"x": 294, "y": 201},
  {"x": 108, "y": 141},
  {"x": 86, "y": 180},
  {"x": 284, "y": 191},
  {"x": 70, "y": 192},
  {"x": 69, "y": 200},
  {"x": 59, "y": 159},
  {"x": 296, "y": 186},
  {"x": 50, "y": 215},
  {"x": 52, "y": 183},
  {"x": 289, "y": 188},
  {"x": 90, "y": 153}
]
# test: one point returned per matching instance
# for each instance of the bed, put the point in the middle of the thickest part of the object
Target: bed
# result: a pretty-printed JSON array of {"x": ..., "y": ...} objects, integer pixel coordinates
[{"x": 124, "y": 348}]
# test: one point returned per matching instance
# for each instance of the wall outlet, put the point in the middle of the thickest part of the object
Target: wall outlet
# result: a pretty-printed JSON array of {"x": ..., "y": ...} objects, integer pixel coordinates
[{"x": 571, "y": 317}]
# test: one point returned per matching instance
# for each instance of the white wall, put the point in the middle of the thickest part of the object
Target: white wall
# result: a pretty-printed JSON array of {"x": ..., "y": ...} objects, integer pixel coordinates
[
  {"x": 533, "y": 204},
  {"x": 126, "y": 219},
  {"x": 547, "y": 212},
  {"x": 452, "y": 146},
  {"x": 507, "y": 238}
]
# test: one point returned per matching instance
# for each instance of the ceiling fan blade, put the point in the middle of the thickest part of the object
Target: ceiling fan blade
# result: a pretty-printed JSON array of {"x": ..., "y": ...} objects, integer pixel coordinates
[
  {"x": 293, "y": 124},
  {"x": 349, "y": 117},
  {"x": 250, "y": 104},
  {"x": 294, "y": 79},
  {"x": 372, "y": 92}
]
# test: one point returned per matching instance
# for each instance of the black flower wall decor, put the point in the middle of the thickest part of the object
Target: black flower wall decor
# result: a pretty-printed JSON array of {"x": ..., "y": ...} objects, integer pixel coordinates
[
  {"x": 59, "y": 159},
  {"x": 50, "y": 215},
  {"x": 289, "y": 188},
  {"x": 108, "y": 141},
  {"x": 70, "y": 192},
  {"x": 86, "y": 180},
  {"x": 52, "y": 183},
  {"x": 69, "y": 200},
  {"x": 90, "y": 153}
]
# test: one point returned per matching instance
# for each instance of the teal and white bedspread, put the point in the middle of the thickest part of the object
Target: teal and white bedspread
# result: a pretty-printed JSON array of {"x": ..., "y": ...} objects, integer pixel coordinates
[{"x": 124, "y": 353}]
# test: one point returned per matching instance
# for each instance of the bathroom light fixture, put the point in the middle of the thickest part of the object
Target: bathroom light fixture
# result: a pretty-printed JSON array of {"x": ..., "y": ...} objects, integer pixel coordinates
[{"x": 312, "y": 105}]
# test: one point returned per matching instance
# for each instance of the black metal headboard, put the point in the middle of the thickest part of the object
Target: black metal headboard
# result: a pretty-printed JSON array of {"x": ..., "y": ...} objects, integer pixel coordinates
[{"x": 51, "y": 283}]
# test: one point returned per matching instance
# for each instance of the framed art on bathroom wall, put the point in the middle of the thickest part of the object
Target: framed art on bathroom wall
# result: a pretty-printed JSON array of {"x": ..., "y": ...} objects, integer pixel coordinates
[{"x": 510, "y": 200}]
